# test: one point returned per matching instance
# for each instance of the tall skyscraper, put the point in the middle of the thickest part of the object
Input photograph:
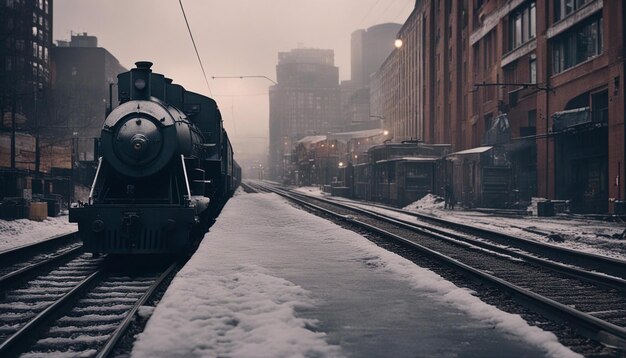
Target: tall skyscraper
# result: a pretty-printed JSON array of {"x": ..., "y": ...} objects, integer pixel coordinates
[
  {"x": 305, "y": 101},
  {"x": 369, "y": 49},
  {"x": 25, "y": 38}
]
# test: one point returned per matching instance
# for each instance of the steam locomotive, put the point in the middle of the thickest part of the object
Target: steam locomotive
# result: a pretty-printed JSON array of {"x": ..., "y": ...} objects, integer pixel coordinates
[{"x": 166, "y": 169}]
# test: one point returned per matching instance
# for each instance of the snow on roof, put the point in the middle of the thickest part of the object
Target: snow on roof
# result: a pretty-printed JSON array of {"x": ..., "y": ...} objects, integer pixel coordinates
[
  {"x": 312, "y": 139},
  {"x": 346, "y": 136},
  {"x": 476, "y": 150},
  {"x": 409, "y": 159}
]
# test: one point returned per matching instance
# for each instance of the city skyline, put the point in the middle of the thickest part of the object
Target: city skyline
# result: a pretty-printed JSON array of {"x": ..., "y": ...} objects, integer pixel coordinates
[{"x": 253, "y": 42}]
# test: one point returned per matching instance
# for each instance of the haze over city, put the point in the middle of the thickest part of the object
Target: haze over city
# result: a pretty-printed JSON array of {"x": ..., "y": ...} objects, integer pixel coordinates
[{"x": 234, "y": 38}]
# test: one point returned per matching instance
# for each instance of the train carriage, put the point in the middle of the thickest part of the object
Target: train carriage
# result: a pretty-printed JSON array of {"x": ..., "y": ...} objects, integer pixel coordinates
[{"x": 401, "y": 181}]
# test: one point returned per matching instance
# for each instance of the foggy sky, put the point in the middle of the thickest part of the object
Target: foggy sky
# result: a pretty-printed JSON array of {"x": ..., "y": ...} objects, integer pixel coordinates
[{"x": 234, "y": 37}]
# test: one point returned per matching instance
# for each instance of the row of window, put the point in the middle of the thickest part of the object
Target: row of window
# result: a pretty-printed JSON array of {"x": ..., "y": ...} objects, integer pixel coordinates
[
  {"x": 18, "y": 64},
  {"x": 562, "y": 8},
  {"x": 577, "y": 45},
  {"x": 43, "y": 5},
  {"x": 39, "y": 51},
  {"x": 18, "y": 26},
  {"x": 523, "y": 25}
]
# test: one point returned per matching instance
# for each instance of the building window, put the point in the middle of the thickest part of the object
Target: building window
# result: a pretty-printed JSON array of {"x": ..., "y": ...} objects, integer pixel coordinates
[
  {"x": 532, "y": 65},
  {"x": 563, "y": 8},
  {"x": 577, "y": 45},
  {"x": 522, "y": 23}
]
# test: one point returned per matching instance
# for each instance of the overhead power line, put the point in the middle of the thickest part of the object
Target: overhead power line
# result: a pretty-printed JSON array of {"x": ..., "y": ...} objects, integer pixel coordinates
[
  {"x": 206, "y": 80},
  {"x": 368, "y": 13}
]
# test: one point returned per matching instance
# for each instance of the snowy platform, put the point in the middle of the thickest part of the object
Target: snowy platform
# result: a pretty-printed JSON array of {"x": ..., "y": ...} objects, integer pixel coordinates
[
  {"x": 24, "y": 232},
  {"x": 271, "y": 280}
]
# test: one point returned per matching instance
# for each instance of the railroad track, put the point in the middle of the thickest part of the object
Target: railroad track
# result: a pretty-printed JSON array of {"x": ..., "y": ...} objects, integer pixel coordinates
[
  {"x": 70, "y": 303},
  {"x": 603, "y": 264},
  {"x": 591, "y": 303},
  {"x": 19, "y": 263}
]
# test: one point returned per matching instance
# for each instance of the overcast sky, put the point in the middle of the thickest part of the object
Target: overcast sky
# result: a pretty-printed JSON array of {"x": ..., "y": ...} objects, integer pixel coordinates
[{"x": 234, "y": 37}]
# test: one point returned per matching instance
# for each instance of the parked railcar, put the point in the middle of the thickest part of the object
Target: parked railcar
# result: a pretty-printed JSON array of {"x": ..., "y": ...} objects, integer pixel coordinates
[
  {"x": 166, "y": 170},
  {"x": 401, "y": 181},
  {"x": 480, "y": 177}
]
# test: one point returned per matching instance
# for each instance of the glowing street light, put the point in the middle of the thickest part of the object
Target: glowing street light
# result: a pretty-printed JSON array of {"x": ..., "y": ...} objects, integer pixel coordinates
[
  {"x": 385, "y": 132},
  {"x": 397, "y": 43}
]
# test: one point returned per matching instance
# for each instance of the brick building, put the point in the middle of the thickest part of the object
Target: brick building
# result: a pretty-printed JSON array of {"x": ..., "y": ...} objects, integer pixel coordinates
[
  {"x": 548, "y": 73},
  {"x": 568, "y": 131}
]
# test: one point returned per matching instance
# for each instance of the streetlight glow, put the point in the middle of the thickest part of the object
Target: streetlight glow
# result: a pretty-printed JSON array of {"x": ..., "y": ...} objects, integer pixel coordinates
[
  {"x": 385, "y": 132},
  {"x": 398, "y": 43}
]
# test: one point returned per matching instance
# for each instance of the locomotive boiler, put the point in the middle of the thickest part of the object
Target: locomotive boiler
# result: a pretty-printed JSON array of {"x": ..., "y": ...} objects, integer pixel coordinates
[{"x": 165, "y": 171}]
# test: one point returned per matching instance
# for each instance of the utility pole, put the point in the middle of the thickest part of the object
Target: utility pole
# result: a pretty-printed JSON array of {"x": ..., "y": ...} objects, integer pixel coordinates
[
  {"x": 37, "y": 143},
  {"x": 13, "y": 129}
]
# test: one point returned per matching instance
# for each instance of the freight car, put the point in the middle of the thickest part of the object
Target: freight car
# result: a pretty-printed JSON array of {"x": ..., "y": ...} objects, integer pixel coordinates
[{"x": 166, "y": 170}]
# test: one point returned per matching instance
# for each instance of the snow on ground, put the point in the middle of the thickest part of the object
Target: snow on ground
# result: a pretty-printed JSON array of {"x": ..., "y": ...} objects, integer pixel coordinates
[
  {"x": 22, "y": 232},
  {"x": 593, "y": 236},
  {"x": 270, "y": 280}
]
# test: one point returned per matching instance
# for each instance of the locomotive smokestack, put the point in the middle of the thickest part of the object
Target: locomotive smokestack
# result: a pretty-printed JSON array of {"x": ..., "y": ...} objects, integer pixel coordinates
[
  {"x": 143, "y": 65},
  {"x": 140, "y": 81}
]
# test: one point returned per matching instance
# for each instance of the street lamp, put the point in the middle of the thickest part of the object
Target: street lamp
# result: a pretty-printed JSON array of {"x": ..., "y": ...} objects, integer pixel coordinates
[{"x": 398, "y": 43}]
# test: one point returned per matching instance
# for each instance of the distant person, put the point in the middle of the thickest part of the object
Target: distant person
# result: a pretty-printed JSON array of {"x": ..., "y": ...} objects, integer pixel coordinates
[
  {"x": 447, "y": 197},
  {"x": 452, "y": 199}
]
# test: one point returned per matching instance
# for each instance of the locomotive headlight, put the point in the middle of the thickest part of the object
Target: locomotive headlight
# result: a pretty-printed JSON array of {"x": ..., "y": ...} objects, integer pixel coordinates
[{"x": 140, "y": 84}]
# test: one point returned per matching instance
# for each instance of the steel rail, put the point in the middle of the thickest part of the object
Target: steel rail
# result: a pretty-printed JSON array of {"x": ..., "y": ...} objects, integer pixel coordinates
[
  {"x": 11, "y": 345},
  {"x": 587, "y": 325},
  {"x": 617, "y": 283},
  {"x": 28, "y": 249},
  {"x": 607, "y": 265},
  {"x": 246, "y": 186},
  {"x": 123, "y": 326},
  {"x": 17, "y": 275}
]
